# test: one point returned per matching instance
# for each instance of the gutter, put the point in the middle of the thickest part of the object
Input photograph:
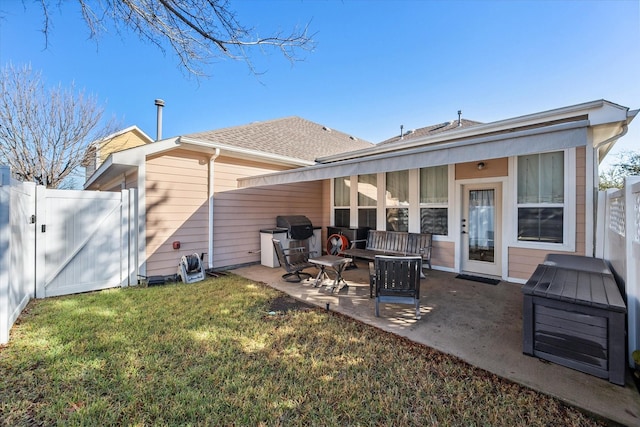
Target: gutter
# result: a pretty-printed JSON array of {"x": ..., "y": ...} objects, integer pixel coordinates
[
  {"x": 212, "y": 160},
  {"x": 596, "y": 179}
]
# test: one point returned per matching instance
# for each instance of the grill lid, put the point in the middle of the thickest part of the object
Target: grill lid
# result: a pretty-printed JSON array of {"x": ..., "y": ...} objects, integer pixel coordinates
[{"x": 299, "y": 227}]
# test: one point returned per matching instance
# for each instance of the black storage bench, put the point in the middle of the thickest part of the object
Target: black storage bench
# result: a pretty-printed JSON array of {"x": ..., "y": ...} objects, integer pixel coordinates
[{"x": 574, "y": 315}]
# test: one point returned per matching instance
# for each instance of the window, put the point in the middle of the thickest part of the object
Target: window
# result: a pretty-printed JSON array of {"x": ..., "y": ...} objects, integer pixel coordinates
[
  {"x": 541, "y": 198},
  {"x": 434, "y": 199},
  {"x": 397, "y": 200},
  {"x": 367, "y": 200},
  {"x": 341, "y": 217},
  {"x": 341, "y": 201}
]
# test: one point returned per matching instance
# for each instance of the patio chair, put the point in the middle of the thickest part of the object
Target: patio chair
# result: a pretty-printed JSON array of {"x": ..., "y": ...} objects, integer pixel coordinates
[
  {"x": 293, "y": 260},
  {"x": 396, "y": 280}
]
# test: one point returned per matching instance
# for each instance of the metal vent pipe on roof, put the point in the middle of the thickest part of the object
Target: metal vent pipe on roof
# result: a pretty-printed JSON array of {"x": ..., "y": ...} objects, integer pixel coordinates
[
  {"x": 459, "y": 118},
  {"x": 159, "y": 103}
]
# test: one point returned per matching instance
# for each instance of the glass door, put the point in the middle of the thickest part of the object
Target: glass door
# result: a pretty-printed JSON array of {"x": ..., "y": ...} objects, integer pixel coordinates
[{"x": 481, "y": 225}]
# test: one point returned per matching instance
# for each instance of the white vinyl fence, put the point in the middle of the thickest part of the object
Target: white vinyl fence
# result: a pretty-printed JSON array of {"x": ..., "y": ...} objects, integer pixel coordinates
[
  {"x": 17, "y": 249},
  {"x": 59, "y": 242},
  {"x": 618, "y": 242}
]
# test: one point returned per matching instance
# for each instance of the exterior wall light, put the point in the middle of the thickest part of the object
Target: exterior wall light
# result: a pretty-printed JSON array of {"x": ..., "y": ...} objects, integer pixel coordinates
[{"x": 481, "y": 166}]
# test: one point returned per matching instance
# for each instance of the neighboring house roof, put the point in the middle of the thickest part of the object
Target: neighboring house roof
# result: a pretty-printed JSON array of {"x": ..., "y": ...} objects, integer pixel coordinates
[
  {"x": 134, "y": 129},
  {"x": 99, "y": 150},
  {"x": 431, "y": 130},
  {"x": 291, "y": 137}
]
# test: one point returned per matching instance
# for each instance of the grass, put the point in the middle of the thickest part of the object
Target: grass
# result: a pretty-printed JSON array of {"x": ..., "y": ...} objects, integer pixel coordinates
[{"x": 211, "y": 353}]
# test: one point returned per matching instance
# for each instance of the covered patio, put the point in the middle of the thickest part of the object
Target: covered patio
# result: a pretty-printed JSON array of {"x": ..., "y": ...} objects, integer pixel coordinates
[{"x": 477, "y": 322}]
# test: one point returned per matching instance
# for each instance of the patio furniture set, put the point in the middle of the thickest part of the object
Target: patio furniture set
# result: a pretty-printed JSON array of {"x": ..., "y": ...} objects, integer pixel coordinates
[
  {"x": 395, "y": 270},
  {"x": 573, "y": 312}
]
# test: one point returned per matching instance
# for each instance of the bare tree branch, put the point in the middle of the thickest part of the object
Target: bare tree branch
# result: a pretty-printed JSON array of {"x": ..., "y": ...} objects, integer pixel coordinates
[
  {"x": 44, "y": 133},
  {"x": 198, "y": 31}
]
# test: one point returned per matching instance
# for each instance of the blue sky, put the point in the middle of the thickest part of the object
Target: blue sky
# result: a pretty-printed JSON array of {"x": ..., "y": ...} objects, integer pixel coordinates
[{"x": 377, "y": 64}]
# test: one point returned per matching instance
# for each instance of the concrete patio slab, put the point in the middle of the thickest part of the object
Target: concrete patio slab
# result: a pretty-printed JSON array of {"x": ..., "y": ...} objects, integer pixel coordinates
[{"x": 477, "y": 322}]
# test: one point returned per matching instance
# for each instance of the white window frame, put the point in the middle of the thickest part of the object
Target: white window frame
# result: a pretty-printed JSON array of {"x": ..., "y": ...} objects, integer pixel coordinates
[
  {"x": 333, "y": 201},
  {"x": 569, "y": 206},
  {"x": 450, "y": 196},
  {"x": 410, "y": 185},
  {"x": 368, "y": 207}
]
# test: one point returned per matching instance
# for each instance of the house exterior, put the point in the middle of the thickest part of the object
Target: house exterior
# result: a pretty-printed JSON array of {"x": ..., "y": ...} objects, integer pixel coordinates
[
  {"x": 498, "y": 197},
  {"x": 100, "y": 150},
  {"x": 187, "y": 189}
]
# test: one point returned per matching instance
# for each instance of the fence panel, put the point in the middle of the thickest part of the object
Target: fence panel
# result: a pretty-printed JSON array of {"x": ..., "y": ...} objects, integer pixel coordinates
[
  {"x": 57, "y": 242},
  {"x": 619, "y": 231},
  {"x": 17, "y": 240},
  {"x": 632, "y": 273}
]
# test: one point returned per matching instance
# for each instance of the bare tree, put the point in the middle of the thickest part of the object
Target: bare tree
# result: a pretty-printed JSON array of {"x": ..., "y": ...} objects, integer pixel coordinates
[
  {"x": 198, "y": 31},
  {"x": 628, "y": 165},
  {"x": 44, "y": 133}
]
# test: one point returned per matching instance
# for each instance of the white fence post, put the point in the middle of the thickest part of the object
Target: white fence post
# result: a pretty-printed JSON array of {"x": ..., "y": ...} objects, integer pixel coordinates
[
  {"x": 133, "y": 236},
  {"x": 124, "y": 238},
  {"x": 5, "y": 256},
  {"x": 40, "y": 242},
  {"x": 601, "y": 224},
  {"x": 17, "y": 241}
]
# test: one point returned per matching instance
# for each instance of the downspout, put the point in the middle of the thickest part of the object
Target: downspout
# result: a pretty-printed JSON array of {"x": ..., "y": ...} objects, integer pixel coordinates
[
  {"x": 212, "y": 160},
  {"x": 596, "y": 179}
]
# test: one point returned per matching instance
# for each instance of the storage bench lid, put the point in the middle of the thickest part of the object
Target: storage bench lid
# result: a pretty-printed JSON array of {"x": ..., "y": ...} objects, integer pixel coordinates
[{"x": 595, "y": 289}]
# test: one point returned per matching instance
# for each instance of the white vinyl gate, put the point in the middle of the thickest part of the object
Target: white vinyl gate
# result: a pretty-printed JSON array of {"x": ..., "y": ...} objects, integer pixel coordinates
[
  {"x": 82, "y": 241},
  {"x": 57, "y": 242}
]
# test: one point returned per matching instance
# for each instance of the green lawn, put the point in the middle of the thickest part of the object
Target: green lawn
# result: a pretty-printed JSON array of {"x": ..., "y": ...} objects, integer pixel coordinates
[{"x": 211, "y": 353}]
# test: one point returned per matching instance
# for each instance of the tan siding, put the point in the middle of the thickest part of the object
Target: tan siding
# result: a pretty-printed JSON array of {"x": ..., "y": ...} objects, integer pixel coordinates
[
  {"x": 177, "y": 208},
  {"x": 229, "y": 170},
  {"x": 443, "y": 254},
  {"x": 493, "y": 168},
  {"x": 113, "y": 188},
  {"x": 523, "y": 261},
  {"x": 240, "y": 214},
  {"x": 131, "y": 180}
]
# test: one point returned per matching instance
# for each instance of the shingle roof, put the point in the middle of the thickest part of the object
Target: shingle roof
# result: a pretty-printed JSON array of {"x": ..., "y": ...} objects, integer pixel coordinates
[
  {"x": 292, "y": 137},
  {"x": 431, "y": 130}
]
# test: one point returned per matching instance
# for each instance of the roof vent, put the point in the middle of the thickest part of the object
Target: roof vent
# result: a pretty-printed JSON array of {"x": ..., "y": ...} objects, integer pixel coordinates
[
  {"x": 459, "y": 118},
  {"x": 353, "y": 138},
  {"x": 410, "y": 131},
  {"x": 159, "y": 104},
  {"x": 326, "y": 128}
]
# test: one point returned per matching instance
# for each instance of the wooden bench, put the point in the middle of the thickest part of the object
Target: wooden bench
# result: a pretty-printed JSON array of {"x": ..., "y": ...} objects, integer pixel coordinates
[
  {"x": 574, "y": 315},
  {"x": 394, "y": 243}
]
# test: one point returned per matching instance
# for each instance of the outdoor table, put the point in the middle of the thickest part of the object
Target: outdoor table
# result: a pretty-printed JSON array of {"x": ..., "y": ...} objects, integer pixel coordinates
[{"x": 337, "y": 263}]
